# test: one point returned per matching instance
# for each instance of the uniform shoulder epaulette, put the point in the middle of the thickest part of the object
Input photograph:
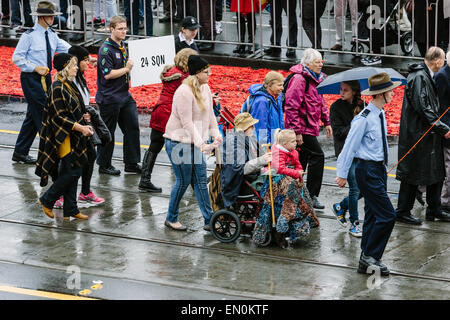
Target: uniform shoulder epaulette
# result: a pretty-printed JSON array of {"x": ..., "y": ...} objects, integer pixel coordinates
[
  {"x": 365, "y": 113},
  {"x": 29, "y": 31}
]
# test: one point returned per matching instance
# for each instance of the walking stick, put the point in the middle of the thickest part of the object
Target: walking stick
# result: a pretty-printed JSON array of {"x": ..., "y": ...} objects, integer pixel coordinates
[{"x": 270, "y": 187}]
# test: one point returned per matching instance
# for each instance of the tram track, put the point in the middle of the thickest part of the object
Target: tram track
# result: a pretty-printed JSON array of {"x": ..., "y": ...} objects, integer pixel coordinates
[
  {"x": 213, "y": 249},
  {"x": 273, "y": 257}
]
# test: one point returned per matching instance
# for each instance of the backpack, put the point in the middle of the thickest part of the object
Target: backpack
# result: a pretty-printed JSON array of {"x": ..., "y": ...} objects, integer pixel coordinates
[{"x": 286, "y": 84}]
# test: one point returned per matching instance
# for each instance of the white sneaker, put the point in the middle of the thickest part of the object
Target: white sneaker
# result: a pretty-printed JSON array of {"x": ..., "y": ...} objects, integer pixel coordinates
[
  {"x": 371, "y": 60},
  {"x": 219, "y": 27}
]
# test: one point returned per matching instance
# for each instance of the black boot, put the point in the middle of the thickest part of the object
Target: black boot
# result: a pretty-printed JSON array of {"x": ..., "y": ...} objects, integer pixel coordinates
[{"x": 146, "y": 176}]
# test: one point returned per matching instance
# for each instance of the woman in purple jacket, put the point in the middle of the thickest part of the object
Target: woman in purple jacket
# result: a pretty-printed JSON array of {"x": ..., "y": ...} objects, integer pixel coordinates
[{"x": 304, "y": 109}]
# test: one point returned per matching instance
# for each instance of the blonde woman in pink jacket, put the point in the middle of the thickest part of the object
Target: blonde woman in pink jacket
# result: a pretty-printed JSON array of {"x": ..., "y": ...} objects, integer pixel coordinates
[{"x": 190, "y": 125}]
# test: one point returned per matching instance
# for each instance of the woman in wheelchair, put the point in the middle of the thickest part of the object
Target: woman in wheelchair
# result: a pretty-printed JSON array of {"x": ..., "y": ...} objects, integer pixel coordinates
[
  {"x": 241, "y": 159},
  {"x": 293, "y": 207}
]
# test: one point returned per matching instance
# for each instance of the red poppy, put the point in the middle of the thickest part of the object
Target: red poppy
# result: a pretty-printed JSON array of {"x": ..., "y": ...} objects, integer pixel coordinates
[{"x": 231, "y": 83}]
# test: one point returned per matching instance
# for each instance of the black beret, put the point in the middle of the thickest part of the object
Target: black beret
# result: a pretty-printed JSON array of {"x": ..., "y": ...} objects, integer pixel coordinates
[{"x": 79, "y": 52}]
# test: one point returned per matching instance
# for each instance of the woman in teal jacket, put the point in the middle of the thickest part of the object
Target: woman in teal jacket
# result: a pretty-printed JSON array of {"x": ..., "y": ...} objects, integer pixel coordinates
[{"x": 265, "y": 103}]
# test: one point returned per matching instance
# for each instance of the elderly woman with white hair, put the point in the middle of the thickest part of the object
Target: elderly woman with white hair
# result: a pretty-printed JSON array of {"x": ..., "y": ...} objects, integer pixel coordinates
[{"x": 304, "y": 109}]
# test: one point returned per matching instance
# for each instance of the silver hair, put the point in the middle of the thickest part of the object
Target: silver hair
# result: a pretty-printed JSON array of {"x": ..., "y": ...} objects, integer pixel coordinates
[
  {"x": 310, "y": 55},
  {"x": 448, "y": 57}
]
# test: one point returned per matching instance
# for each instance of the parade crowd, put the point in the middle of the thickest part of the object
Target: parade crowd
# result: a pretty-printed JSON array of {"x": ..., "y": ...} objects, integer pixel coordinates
[{"x": 274, "y": 144}]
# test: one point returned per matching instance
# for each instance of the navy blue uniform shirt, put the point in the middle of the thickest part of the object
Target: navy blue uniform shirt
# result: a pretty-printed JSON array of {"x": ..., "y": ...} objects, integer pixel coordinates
[{"x": 111, "y": 56}]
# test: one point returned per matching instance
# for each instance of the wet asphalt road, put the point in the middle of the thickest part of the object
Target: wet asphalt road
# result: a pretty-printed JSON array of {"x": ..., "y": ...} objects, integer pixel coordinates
[{"x": 125, "y": 245}]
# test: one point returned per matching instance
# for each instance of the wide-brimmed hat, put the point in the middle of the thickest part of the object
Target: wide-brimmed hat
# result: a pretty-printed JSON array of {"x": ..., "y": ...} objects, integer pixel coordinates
[
  {"x": 244, "y": 120},
  {"x": 380, "y": 83},
  {"x": 45, "y": 9}
]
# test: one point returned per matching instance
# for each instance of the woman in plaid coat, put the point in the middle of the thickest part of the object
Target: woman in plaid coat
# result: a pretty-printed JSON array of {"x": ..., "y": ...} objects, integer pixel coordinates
[{"x": 64, "y": 146}]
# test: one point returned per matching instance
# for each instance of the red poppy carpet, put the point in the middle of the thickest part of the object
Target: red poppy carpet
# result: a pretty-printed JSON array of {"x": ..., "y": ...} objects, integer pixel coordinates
[{"x": 231, "y": 83}]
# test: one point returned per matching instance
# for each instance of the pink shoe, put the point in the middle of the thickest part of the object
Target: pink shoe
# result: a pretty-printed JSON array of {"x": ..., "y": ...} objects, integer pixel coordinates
[
  {"x": 59, "y": 204},
  {"x": 90, "y": 198}
]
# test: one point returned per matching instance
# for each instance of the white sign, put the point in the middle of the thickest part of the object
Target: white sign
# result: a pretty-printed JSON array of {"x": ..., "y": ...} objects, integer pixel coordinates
[{"x": 149, "y": 57}]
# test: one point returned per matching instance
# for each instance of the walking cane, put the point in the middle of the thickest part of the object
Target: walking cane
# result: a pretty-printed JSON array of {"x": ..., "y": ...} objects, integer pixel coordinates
[{"x": 270, "y": 187}]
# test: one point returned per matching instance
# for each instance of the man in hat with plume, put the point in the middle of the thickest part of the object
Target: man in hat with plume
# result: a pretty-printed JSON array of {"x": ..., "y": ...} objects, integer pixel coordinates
[
  {"x": 33, "y": 55},
  {"x": 367, "y": 144}
]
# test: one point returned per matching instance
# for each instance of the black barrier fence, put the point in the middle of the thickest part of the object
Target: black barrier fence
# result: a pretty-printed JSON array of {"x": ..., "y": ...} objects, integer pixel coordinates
[{"x": 395, "y": 28}]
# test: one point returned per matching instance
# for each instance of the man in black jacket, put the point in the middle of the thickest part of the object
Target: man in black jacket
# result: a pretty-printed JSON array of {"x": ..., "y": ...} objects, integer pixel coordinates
[
  {"x": 442, "y": 79},
  {"x": 424, "y": 165}
]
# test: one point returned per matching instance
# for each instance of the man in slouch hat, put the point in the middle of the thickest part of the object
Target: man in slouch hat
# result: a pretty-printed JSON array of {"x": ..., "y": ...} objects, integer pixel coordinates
[
  {"x": 33, "y": 55},
  {"x": 367, "y": 144}
]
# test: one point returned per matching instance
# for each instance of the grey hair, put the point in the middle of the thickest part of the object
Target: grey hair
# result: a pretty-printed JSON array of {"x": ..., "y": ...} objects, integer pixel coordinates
[
  {"x": 310, "y": 55},
  {"x": 448, "y": 57}
]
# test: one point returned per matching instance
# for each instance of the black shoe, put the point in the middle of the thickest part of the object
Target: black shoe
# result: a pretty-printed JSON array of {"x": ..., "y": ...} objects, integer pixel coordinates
[
  {"x": 409, "y": 219},
  {"x": 133, "y": 167},
  {"x": 239, "y": 49},
  {"x": 442, "y": 215},
  {"x": 17, "y": 157},
  {"x": 249, "y": 49},
  {"x": 316, "y": 203},
  {"x": 275, "y": 52},
  {"x": 206, "y": 47},
  {"x": 290, "y": 53},
  {"x": 164, "y": 19},
  {"x": 419, "y": 197},
  {"x": 109, "y": 170},
  {"x": 368, "y": 264},
  {"x": 149, "y": 186}
]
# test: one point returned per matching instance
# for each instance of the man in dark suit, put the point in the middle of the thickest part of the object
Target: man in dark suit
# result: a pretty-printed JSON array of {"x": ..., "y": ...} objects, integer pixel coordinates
[{"x": 442, "y": 79}]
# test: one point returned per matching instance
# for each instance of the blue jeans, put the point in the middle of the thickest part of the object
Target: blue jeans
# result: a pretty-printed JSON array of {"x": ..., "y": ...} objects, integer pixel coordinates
[
  {"x": 189, "y": 166},
  {"x": 350, "y": 203}
]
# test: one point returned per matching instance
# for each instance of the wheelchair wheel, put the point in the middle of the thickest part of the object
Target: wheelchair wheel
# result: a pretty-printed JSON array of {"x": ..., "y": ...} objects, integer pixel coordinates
[
  {"x": 225, "y": 226},
  {"x": 406, "y": 43}
]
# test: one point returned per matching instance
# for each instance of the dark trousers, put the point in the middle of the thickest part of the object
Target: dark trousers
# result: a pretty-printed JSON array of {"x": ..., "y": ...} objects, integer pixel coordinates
[
  {"x": 207, "y": 19},
  {"x": 407, "y": 197},
  {"x": 277, "y": 25},
  {"x": 5, "y": 7},
  {"x": 311, "y": 154},
  {"x": 246, "y": 23},
  {"x": 312, "y": 11},
  {"x": 15, "y": 12},
  {"x": 66, "y": 186},
  {"x": 135, "y": 12},
  {"x": 36, "y": 98},
  {"x": 166, "y": 8},
  {"x": 380, "y": 215},
  {"x": 156, "y": 141},
  {"x": 86, "y": 176},
  {"x": 125, "y": 115}
]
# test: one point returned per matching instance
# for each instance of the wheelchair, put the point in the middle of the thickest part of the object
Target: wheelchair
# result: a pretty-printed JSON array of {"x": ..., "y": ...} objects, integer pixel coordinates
[{"x": 229, "y": 223}]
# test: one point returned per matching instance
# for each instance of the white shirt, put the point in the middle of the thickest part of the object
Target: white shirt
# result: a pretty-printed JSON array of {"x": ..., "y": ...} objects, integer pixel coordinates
[{"x": 183, "y": 38}]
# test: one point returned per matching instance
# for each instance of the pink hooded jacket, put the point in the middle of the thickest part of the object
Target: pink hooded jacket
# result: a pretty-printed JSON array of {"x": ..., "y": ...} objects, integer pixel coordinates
[{"x": 305, "y": 118}]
